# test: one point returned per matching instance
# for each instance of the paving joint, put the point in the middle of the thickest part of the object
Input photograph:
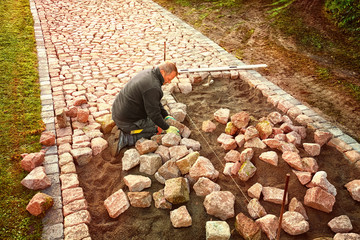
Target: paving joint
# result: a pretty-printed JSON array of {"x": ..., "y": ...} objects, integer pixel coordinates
[{"x": 49, "y": 55}]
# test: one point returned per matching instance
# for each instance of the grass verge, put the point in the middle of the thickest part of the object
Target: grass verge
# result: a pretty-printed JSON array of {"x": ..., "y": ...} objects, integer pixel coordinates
[{"x": 20, "y": 117}]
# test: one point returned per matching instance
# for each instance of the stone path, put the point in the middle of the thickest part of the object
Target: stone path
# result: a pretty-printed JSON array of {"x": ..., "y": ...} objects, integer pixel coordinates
[{"x": 88, "y": 50}]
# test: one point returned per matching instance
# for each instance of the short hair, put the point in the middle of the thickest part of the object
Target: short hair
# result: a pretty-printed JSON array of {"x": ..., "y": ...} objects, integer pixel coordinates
[{"x": 168, "y": 67}]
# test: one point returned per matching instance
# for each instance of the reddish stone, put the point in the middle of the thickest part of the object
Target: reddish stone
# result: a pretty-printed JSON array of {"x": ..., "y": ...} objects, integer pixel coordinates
[
  {"x": 313, "y": 149},
  {"x": 83, "y": 115},
  {"x": 117, "y": 203},
  {"x": 270, "y": 157},
  {"x": 353, "y": 156},
  {"x": 180, "y": 217},
  {"x": 140, "y": 199},
  {"x": 178, "y": 152},
  {"x": 32, "y": 160},
  {"x": 284, "y": 105},
  {"x": 39, "y": 203},
  {"x": 269, "y": 225},
  {"x": 340, "y": 145},
  {"x": 293, "y": 137},
  {"x": 246, "y": 155},
  {"x": 240, "y": 140},
  {"x": 221, "y": 139},
  {"x": 235, "y": 168},
  {"x": 294, "y": 112},
  {"x": 98, "y": 145},
  {"x": 241, "y": 119},
  {"x": 272, "y": 143},
  {"x": 80, "y": 231},
  {"x": 286, "y": 127},
  {"x": 69, "y": 180},
  {"x": 275, "y": 117},
  {"x": 78, "y": 101},
  {"x": 229, "y": 144},
  {"x": 71, "y": 194},
  {"x": 322, "y": 137},
  {"x": 203, "y": 168},
  {"x": 220, "y": 204},
  {"x": 354, "y": 189},
  {"x": 47, "y": 138},
  {"x": 76, "y": 218},
  {"x": 72, "y": 112},
  {"x": 208, "y": 126},
  {"x": 246, "y": 227},
  {"x": 232, "y": 156},
  {"x": 146, "y": 146},
  {"x": 36, "y": 179},
  {"x": 250, "y": 133},
  {"x": 319, "y": 199},
  {"x": 75, "y": 206},
  {"x": 222, "y": 115}
]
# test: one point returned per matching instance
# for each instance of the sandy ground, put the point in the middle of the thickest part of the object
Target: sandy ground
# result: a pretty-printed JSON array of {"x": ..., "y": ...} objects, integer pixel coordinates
[{"x": 103, "y": 176}]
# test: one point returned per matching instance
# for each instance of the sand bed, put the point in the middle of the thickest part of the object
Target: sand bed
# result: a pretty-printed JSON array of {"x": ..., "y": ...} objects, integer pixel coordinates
[{"x": 103, "y": 176}]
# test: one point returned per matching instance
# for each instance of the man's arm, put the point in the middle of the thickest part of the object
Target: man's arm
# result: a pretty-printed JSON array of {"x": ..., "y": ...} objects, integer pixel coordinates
[{"x": 154, "y": 109}]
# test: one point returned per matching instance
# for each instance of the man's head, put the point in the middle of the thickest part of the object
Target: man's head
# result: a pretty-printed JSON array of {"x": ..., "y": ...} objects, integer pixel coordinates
[{"x": 168, "y": 70}]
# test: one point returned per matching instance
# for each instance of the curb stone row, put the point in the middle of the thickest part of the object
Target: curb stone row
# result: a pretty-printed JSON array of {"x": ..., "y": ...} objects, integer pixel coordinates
[{"x": 53, "y": 222}]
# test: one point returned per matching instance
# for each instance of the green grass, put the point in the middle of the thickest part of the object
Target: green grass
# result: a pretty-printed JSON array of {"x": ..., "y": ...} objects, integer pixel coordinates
[{"x": 20, "y": 117}]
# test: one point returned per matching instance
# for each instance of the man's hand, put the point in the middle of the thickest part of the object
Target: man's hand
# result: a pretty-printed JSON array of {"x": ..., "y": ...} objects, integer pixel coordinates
[
  {"x": 169, "y": 117},
  {"x": 173, "y": 129}
]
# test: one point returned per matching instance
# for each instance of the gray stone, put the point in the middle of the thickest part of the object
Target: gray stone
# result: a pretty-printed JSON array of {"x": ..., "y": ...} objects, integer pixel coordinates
[{"x": 217, "y": 230}]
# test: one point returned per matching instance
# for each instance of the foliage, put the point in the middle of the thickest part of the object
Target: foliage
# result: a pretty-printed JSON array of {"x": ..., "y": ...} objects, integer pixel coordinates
[
  {"x": 216, "y": 3},
  {"x": 279, "y": 6},
  {"x": 346, "y": 14},
  {"x": 20, "y": 120},
  {"x": 323, "y": 73}
]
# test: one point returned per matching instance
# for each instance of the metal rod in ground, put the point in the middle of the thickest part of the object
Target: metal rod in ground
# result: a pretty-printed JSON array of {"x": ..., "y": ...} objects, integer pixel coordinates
[
  {"x": 283, "y": 205},
  {"x": 164, "y": 51},
  {"x": 217, "y": 69}
]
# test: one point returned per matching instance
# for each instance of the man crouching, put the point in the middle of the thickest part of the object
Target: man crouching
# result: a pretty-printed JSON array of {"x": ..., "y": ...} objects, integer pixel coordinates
[{"x": 137, "y": 110}]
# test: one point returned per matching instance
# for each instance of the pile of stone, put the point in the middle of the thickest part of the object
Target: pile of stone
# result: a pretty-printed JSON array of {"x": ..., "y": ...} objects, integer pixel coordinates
[
  {"x": 175, "y": 162},
  {"x": 277, "y": 132},
  {"x": 37, "y": 178}
]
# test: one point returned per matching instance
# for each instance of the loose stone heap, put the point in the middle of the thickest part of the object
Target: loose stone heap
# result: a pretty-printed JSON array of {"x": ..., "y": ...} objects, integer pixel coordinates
[
  {"x": 277, "y": 131},
  {"x": 174, "y": 160}
]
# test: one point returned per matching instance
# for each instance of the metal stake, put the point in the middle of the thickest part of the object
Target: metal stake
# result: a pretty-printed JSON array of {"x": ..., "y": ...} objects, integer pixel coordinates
[{"x": 283, "y": 205}]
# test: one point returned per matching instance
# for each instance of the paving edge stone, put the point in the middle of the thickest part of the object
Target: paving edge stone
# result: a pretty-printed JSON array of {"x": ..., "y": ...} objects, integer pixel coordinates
[{"x": 53, "y": 227}]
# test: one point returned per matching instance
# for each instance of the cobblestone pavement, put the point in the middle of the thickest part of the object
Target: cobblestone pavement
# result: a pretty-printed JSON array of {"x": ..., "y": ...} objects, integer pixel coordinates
[{"x": 88, "y": 50}]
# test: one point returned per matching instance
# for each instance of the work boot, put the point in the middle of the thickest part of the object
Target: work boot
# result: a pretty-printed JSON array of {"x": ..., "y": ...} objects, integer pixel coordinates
[{"x": 123, "y": 142}]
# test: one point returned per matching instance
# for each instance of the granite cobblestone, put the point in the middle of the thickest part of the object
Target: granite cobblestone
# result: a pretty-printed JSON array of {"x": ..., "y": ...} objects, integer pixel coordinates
[{"x": 94, "y": 58}]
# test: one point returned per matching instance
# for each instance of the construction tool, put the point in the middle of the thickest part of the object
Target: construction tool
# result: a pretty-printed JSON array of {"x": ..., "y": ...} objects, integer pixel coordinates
[{"x": 218, "y": 69}]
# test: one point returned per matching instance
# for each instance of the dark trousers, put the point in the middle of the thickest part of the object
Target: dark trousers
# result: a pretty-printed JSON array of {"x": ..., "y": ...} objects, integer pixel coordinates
[{"x": 147, "y": 125}]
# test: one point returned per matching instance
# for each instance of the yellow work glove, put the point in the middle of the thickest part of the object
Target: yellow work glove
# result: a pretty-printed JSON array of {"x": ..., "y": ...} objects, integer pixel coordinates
[{"x": 172, "y": 129}]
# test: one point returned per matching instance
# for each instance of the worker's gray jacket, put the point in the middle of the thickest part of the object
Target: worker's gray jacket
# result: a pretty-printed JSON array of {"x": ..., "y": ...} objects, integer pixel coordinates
[{"x": 140, "y": 99}]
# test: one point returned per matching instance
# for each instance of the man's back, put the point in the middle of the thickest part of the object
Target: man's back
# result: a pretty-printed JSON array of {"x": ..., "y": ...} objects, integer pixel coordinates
[{"x": 140, "y": 98}]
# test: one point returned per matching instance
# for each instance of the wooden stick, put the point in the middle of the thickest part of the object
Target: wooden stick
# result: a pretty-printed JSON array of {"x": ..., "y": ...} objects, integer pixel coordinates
[
  {"x": 164, "y": 51},
  {"x": 283, "y": 205}
]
